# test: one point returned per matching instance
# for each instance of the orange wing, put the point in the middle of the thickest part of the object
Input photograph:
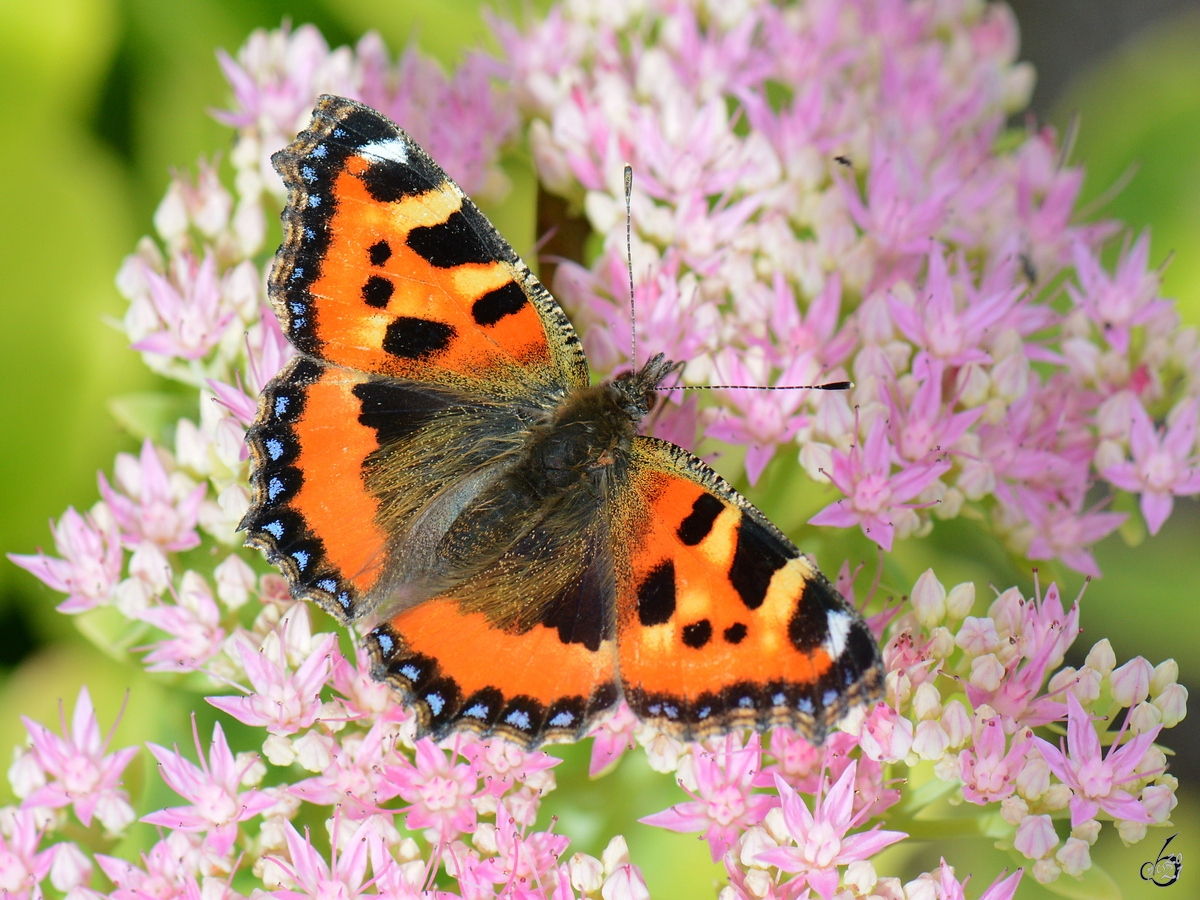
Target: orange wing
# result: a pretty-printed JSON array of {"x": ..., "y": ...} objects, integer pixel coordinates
[
  {"x": 387, "y": 267},
  {"x": 525, "y": 648},
  {"x": 721, "y": 621},
  {"x": 424, "y": 344}
]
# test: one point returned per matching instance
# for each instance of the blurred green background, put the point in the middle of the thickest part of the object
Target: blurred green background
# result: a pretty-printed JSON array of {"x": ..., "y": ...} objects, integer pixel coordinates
[{"x": 108, "y": 96}]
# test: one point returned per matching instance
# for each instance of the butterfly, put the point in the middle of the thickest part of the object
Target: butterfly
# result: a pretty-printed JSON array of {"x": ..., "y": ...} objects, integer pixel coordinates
[{"x": 435, "y": 467}]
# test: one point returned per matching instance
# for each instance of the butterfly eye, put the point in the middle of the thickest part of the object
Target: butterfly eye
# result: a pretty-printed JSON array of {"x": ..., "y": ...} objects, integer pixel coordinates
[
  {"x": 623, "y": 375},
  {"x": 651, "y": 400}
]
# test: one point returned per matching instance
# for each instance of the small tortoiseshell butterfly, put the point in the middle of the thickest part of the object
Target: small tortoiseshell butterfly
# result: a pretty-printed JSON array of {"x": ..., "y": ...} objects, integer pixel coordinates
[{"x": 435, "y": 464}]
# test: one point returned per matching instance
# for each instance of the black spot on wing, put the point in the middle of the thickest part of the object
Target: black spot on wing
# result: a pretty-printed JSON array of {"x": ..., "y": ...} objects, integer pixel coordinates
[
  {"x": 378, "y": 291},
  {"x": 495, "y": 305},
  {"x": 579, "y": 611},
  {"x": 397, "y": 411},
  {"x": 380, "y": 252},
  {"x": 412, "y": 338},
  {"x": 735, "y": 633},
  {"x": 699, "y": 522},
  {"x": 758, "y": 557},
  {"x": 697, "y": 634},
  {"x": 809, "y": 624},
  {"x": 450, "y": 243},
  {"x": 656, "y": 595},
  {"x": 388, "y": 181}
]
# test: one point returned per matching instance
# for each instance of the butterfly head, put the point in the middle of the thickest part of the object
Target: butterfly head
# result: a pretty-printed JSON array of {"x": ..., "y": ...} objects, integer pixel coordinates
[{"x": 635, "y": 389}]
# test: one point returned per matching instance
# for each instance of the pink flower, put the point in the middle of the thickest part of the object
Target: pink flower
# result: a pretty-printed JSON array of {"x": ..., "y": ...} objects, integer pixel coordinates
[
  {"x": 1096, "y": 777},
  {"x": 989, "y": 773},
  {"x": 522, "y": 859},
  {"x": 886, "y": 735},
  {"x": 935, "y": 321},
  {"x": 925, "y": 425},
  {"x": 205, "y": 204},
  {"x": 362, "y": 695},
  {"x": 212, "y": 787},
  {"x": 820, "y": 836},
  {"x": 352, "y": 776},
  {"x": 874, "y": 495},
  {"x": 190, "y": 307},
  {"x": 724, "y": 803},
  {"x": 343, "y": 877},
  {"x": 461, "y": 120},
  {"x": 625, "y": 883},
  {"x": 1164, "y": 462},
  {"x": 1036, "y": 837},
  {"x": 439, "y": 791},
  {"x": 503, "y": 766},
  {"x": 1042, "y": 631},
  {"x": 22, "y": 865},
  {"x": 194, "y": 623},
  {"x": 904, "y": 206},
  {"x": 91, "y": 565},
  {"x": 169, "y": 869},
  {"x": 281, "y": 700},
  {"x": 1003, "y": 888},
  {"x": 84, "y": 775},
  {"x": 154, "y": 507},
  {"x": 611, "y": 738},
  {"x": 276, "y": 76},
  {"x": 760, "y": 421},
  {"x": 1118, "y": 303}
]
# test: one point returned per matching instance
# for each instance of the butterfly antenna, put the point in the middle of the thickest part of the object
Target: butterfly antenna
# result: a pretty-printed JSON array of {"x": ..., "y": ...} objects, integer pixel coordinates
[
  {"x": 629, "y": 265},
  {"x": 827, "y": 386}
]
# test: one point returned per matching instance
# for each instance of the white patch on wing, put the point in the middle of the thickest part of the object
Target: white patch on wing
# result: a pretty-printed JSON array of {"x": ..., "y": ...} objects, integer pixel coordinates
[
  {"x": 394, "y": 149},
  {"x": 839, "y": 623}
]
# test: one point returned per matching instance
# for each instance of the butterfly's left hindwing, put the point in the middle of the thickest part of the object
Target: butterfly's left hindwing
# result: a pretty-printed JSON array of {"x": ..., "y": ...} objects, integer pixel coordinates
[
  {"x": 435, "y": 468},
  {"x": 525, "y": 647}
]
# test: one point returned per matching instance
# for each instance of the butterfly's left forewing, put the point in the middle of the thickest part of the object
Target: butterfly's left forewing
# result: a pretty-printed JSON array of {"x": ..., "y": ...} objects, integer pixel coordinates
[
  {"x": 388, "y": 267},
  {"x": 721, "y": 621}
]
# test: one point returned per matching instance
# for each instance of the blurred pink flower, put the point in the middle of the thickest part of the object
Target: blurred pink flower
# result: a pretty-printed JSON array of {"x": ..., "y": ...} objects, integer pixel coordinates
[
  {"x": 154, "y": 507},
  {"x": 192, "y": 313},
  {"x": 84, "y": 776},
  {"x": 1164, "y": 465},
  {"x": 1127, "y": 298},
  {"x": 22, "y": 865},
  {"x": 91, "y": 565}
]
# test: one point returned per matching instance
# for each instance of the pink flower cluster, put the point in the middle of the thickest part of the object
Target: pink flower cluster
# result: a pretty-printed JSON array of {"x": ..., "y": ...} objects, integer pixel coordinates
[
  {"x": 818, "y": 196},
  {"x": 811, "y": 202}
]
